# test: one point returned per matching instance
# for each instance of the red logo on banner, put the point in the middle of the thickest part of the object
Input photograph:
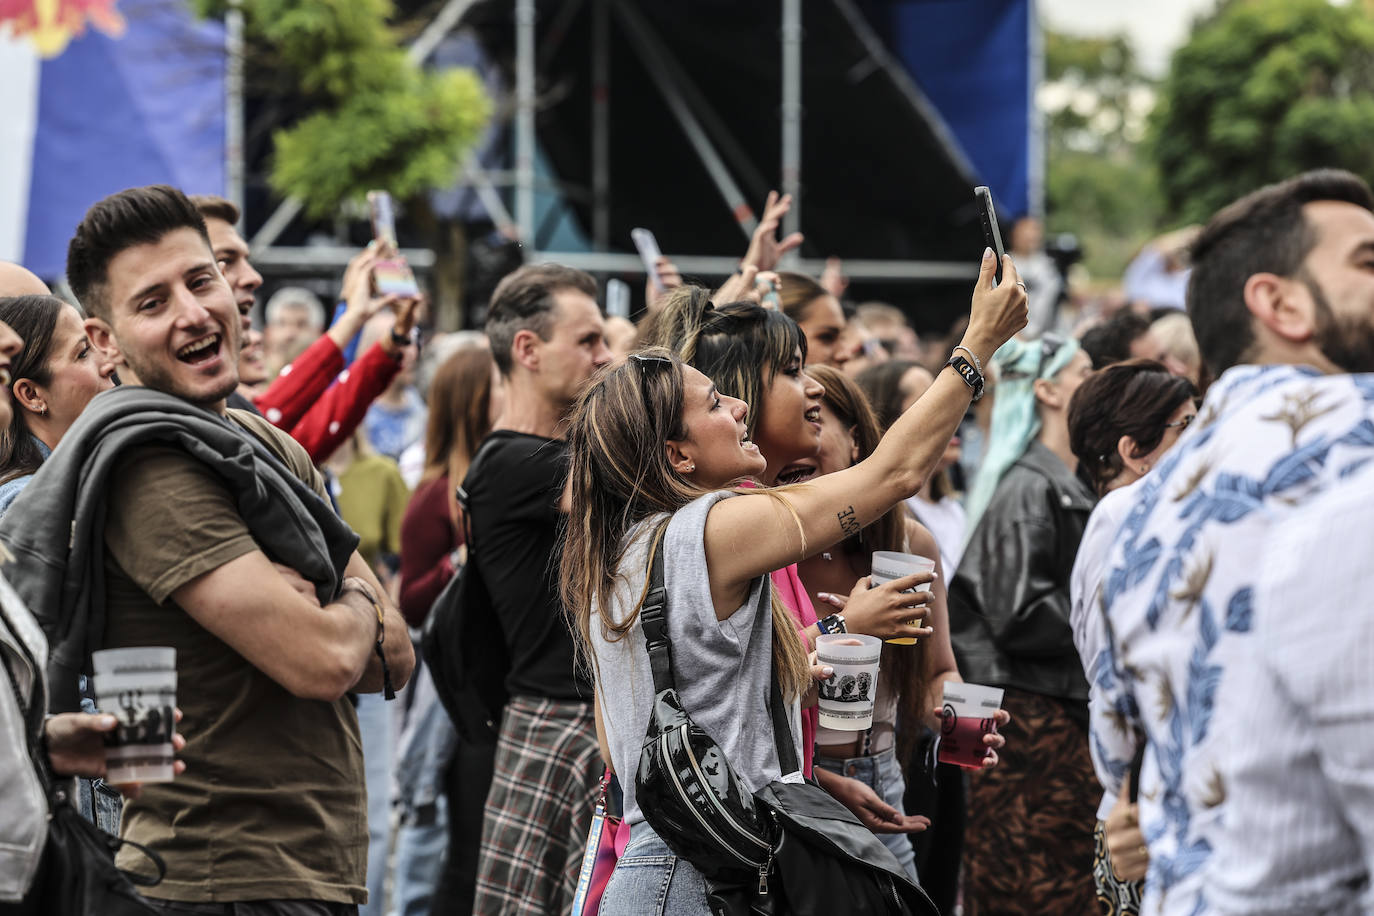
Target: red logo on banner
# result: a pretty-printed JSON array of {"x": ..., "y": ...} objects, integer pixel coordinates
[{"x": 51, "y": 24}]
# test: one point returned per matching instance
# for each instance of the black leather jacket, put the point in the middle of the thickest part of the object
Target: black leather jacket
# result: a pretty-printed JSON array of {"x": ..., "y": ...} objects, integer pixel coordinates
[{"x": 1009, "y": 601}]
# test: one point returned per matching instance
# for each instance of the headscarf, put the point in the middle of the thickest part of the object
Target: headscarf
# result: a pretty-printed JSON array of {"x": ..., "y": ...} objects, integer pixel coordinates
[{"x": 1015, "y": 420}]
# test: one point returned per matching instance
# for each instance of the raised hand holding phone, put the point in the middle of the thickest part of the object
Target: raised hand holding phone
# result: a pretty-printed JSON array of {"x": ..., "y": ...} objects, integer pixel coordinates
[
  {"x": 992, "y": 234},
  {"x": 391, "y": 274}
]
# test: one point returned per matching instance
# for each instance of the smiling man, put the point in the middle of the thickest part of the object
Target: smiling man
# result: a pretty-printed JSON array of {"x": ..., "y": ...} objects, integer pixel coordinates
[{"x": 271, "y": 634}]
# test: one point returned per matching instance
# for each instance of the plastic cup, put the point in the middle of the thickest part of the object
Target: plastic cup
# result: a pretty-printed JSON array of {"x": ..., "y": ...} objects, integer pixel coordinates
[
  {"x": 969, "y": 714},
  {"x": 846, "y": 698},
  {"x": 889, "y": 565},
  {"x": 138, "y": 687}
]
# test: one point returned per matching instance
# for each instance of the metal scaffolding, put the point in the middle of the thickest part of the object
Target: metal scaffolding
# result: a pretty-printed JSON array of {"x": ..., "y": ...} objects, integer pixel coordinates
[{"x": 707, "y": 134}]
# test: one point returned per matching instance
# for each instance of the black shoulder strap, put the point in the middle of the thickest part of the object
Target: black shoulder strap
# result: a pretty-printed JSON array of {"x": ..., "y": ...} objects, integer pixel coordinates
[
  {"x": 782, "y": 730},
  {"x": 461, "y": 494},
  {"x": 655, "y": 624},
  {"x": 651, "y": 618}
]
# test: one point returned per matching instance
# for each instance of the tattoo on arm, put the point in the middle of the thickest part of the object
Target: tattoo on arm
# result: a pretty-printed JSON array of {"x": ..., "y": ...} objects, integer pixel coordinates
[{"x": 848, "y": 523}]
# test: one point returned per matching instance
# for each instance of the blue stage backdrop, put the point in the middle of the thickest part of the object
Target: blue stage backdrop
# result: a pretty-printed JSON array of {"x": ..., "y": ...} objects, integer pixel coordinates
[
  {"x": 115, "y": 112},
  {"x": 973, "y": 60}
]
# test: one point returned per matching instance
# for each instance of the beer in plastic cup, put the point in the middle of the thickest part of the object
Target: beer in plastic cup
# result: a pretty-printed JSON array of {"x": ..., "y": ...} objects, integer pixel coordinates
[
  {"x": 969, "y": 714},
  {"x": 889, "y": 565}
]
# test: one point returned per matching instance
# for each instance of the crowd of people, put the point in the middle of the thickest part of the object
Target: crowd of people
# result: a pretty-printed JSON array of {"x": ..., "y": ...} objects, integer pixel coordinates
[{"x": 1130, "y": 526}]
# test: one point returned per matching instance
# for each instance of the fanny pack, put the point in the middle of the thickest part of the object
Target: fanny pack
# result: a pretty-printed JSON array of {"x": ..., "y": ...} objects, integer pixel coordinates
[{"x": 752, "y": 847}]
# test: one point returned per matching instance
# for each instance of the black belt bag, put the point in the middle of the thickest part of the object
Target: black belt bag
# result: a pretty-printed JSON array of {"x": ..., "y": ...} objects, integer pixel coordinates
[{"x": 753, "y": 848}]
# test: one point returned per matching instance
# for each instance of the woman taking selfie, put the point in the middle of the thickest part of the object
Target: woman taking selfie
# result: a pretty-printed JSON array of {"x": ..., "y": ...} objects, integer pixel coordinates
[
  {"x": 643, "y": 441},
  {"x": 756, "y": 355}
]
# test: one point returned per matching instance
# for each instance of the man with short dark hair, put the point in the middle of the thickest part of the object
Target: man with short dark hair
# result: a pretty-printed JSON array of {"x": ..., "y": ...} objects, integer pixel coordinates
[
  {"x": 1125, "y": 335},
  {"x": 217, "y": 540},
  {"x": 1248, "y": 677},
  {"x": 547, "y": 336}
]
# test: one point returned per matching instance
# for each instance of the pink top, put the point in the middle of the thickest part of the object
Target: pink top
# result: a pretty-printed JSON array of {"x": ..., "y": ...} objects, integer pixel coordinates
[{"x": 796, "y": 599}]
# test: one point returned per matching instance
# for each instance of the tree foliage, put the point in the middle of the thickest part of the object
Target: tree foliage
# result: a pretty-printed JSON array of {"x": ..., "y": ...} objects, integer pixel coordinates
[
  {"x": 1097, "y": 184},
  {"x": 364, "y": 116},
  {"x": 1100, "y": 86},
  {"x": 1262, "y": 90}
]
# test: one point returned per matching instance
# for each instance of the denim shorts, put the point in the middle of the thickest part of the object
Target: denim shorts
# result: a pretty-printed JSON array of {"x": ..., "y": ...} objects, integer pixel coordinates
[
  {"x": 650, "y": 881},
  {"x": 881, "y": 773}
]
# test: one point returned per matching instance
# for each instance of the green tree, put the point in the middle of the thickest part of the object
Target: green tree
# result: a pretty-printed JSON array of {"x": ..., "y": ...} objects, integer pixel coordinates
[
  {"x": 1262, "y": 90},
  {"x": 352, "y": 112},
  {"x": 1099, "y": 87},
  {"x": 1097, "y": 183}
]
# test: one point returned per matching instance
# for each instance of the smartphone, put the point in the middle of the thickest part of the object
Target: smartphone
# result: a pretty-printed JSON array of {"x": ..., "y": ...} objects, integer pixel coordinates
[
  {"x": 391, "y": 275},
  {"x": 991, "y": 233},
  {"x": 617, "y": 298},
  {"x": 648, "y": 252}
]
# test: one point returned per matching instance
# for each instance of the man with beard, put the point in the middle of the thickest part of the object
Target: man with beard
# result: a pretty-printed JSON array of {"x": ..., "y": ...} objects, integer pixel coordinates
[
  {"x": 304, "y": 399},
  {"x": 1257, "y": 768},
  {"x": 216, "y": 539}
]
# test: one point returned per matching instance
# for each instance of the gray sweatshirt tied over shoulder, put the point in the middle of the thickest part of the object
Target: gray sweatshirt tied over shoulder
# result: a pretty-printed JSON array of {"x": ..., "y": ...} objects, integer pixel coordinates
[{"x": 56, "y": 527}]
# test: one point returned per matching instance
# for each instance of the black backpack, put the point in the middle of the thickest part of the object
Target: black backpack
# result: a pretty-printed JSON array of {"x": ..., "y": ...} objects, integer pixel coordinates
[{"x": 462, "y": 642}]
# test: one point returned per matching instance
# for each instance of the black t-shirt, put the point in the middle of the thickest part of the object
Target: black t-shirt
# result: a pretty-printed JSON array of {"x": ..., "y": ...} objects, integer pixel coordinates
[{"x": 516, "y": 533}]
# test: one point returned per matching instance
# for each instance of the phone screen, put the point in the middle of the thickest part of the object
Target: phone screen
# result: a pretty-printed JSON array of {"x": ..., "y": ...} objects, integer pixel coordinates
[
  {"x": 991, "y": 233},
  {"x": 392, "y": 275},
  {"x": 648, "y": 252}
]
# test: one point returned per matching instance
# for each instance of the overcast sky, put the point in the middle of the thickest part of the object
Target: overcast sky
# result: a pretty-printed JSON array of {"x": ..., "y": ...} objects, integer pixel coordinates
[{"x": 1156, "y": 28}]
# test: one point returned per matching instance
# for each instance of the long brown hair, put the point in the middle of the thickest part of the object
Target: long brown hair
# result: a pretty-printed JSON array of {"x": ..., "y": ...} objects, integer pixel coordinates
[
  {"x": 33, "y": 318},
  {"x": 618, "y": 477},
  {"x": 459, "y": 416},
  {"x": 907, "y": 664}
]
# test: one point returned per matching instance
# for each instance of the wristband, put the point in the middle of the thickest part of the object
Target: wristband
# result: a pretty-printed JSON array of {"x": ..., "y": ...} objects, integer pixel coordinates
[
  {"x": 971, "y": 376},
  {"x": 977, "y": 363},
  {"x": 832, "y": 624},
  {"x": 388, "y": 691}
]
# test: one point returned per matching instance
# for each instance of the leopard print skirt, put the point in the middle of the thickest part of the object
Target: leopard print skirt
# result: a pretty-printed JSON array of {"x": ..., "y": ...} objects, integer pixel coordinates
[{"x": 1029, "y": 844}]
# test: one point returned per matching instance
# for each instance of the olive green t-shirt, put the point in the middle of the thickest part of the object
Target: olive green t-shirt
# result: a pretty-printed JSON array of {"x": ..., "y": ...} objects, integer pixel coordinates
[
  {"x": 372, "y": 499},
  {"x": 272, "y": 804}
]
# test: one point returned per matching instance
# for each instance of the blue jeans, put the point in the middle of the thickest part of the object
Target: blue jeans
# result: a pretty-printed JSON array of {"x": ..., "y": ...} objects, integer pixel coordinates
[
  {"x": 650, "y": 881},
  {"x": 423, "y": 757},
  {"x": 374, "y": 722},
  {"x": 97, "y": 802},
  {"x": 881, "y": 773}
]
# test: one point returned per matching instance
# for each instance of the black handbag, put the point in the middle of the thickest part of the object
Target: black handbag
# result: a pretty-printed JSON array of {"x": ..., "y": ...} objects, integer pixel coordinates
[
  {"x": 79, "y": 877},
  {"x": 466, "y": 654},
  {"x": 822, "y": 860}
]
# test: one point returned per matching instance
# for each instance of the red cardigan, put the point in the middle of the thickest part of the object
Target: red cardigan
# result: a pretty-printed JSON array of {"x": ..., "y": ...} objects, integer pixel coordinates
[{"x": 319, "y": 414}]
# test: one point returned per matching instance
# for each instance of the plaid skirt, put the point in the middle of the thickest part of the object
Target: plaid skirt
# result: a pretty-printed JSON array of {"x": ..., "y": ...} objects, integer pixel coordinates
[{"x": 548, "y": 769}]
